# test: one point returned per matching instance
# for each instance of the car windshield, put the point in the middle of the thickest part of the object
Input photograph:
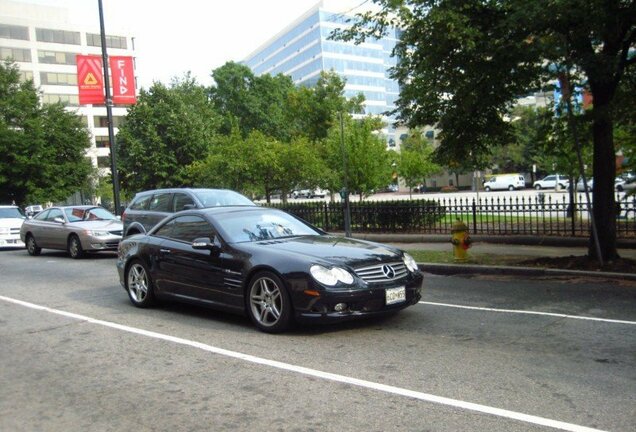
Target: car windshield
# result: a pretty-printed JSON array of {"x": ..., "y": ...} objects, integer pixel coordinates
[
  {"x": 11, "y": 212},
  {"x": 216, "y": 198},
  {"x": 78, "y": 214},
  {"x": 250, "y": 226}
]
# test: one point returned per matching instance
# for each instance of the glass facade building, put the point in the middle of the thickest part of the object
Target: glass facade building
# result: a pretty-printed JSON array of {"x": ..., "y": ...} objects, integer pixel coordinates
[{"x": 304, "y": 49}]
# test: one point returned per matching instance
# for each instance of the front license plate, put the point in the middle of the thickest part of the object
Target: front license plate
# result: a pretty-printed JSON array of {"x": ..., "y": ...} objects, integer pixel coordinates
[{"x": 395, "y": 295}]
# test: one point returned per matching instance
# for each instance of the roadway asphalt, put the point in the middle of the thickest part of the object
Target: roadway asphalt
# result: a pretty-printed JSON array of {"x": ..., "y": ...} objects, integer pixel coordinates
[{"x": 532, "y": 247}]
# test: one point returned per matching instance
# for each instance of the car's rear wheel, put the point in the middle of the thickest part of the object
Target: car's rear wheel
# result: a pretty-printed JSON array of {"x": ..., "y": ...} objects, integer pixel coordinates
[
  {"x": 139, "y": 285},
  {"x": 75, "y": 247},
  {"x": 32, "y": 246},
  {"x": 268, "y": 303}
]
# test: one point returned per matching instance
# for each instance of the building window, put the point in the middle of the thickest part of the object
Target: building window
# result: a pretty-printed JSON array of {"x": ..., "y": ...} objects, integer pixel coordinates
[
  {"x": 103, "y": 161},
  {"x": 53, "y": 78},
  {"x": 57, "y": 36},
  {"x": 95, "y": 40},
  {"x": 56, "y": 57},
  {"x": 102, "y": 142},
  {"x": 65, "y": 99},
  {"x": 14, "y": 32},
  {"x": 26, "y": 76},
  {"x": 17, "y": 54},
  {"x": 102, "y": 121}
]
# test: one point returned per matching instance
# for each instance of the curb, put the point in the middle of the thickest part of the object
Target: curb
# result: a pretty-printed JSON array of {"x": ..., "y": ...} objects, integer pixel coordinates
[{"x": 456, "y": 269}]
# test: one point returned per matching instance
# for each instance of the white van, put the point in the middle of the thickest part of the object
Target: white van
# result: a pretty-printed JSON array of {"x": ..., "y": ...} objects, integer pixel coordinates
[{"x": 505, "y": 181}]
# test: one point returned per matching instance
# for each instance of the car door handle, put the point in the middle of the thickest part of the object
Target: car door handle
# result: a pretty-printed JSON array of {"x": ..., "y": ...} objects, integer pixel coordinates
[{"x": 164, "y": 251}]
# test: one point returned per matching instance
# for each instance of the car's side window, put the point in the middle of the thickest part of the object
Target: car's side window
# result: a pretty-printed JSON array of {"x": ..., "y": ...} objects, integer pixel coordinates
[
  {"x": 54, "y": 213},
  {"x": 180, "y": 201},
  {"x": 141, "y": 203},
  {"x": 189, "y": 228},
  {"x": 165, "y": 230},
  {"x": 42, "y": 216},
  {"x": 160, "y": 202}
]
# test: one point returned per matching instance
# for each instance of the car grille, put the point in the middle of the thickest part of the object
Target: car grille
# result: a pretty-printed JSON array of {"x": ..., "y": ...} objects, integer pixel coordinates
[
  {"x": 118, "y": 232},
  {"x": 385, "y": 272},
  {"x": 112, "y": 244}
]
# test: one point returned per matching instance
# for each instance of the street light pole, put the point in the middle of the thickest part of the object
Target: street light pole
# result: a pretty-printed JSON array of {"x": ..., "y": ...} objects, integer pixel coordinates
[
  {"x": 109, "y": 112},
  {"x": 347, "y": 209}
]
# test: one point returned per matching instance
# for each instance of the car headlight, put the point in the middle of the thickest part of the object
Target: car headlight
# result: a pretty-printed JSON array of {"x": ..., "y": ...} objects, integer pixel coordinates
[
  {"x": 331, "y": 276},
  {"x": 5, "y": 231},
  {"x": 94, "y": 233},
  {"x": 410, "y": 263}
]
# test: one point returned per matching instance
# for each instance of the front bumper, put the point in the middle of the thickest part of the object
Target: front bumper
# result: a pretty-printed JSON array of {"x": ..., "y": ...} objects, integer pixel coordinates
[
  {"x": 11, "y": 240},
  {"x": 359, "y": 303}
]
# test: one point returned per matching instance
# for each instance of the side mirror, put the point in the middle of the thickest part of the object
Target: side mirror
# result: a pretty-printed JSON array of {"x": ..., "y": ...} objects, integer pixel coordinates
[
  {"x": 58, "y": 219},
  {"x": 205, "y": 243}
]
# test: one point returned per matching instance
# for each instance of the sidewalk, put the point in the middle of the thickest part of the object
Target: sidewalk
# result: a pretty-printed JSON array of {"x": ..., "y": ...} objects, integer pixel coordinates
[{"x": 532, "y": 247}]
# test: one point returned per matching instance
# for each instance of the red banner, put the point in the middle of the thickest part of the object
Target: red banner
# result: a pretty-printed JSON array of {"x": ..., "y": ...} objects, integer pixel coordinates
[
  {"x": 123, "y": 80},
  {"x": 90, "y": 79}
]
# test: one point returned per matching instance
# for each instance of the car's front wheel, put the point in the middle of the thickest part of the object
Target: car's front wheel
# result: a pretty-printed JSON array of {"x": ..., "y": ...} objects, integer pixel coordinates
[
  {"x": 139, "y": 285},
  {"x": 538, "y": 187},
  {"x": 268, "y": 303},
  {"x": 75, "y": 247},
  {"x": 511, "y": 188},
  {"x": 487, "y": 188},
  {"x": 32, "y": 246}
]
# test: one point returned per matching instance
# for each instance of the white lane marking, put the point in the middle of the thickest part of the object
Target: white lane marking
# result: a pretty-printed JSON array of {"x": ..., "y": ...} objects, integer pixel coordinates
[
  {"x": 529, "y": 313},
  {"x": 485, "y": 409}
]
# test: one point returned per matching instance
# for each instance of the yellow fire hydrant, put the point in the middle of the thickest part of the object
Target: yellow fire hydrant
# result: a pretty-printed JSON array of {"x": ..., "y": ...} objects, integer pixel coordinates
[{"x": 461, "y": 241}]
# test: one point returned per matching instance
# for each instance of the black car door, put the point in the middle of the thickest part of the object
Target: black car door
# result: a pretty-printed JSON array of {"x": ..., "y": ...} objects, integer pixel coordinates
[{"x": 196, "y": 274}]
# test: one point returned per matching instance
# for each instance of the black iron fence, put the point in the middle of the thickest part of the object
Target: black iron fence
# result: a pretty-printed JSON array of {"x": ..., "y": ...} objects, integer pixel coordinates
[{"x": 541, "y": 215}]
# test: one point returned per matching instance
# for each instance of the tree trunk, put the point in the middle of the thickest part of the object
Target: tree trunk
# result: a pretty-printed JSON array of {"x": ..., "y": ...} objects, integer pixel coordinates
[{"x": 604, "y": 173}]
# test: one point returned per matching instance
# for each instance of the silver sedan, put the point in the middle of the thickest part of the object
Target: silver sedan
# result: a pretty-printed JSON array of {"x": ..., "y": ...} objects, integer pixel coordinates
[{"x": 76, "y": 229}]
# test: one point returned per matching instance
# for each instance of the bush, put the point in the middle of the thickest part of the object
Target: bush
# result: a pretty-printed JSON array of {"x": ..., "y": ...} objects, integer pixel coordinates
[{"x": 386, "y": 216}]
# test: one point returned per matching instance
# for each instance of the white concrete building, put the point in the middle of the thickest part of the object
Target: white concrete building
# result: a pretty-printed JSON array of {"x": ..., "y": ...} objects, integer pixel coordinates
[{"x": 43, "y": 41}]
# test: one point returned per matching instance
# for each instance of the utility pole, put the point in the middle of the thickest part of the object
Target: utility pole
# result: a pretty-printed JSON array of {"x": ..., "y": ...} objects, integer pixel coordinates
[{"x": 109, "y": 112}]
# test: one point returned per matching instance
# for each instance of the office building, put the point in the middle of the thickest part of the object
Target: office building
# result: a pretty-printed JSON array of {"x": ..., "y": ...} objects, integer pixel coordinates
[
  {"x": 44, "y": 42},
  {"x": 303, "y": 49}
]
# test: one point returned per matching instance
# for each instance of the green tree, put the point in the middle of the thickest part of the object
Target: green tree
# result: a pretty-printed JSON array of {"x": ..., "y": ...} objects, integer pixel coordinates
[
  {"x": 253, "y": 103},
  {"x": 313, "y": 109},
  {"x": 43, "y": 147},
  {"x": 415, "y": 160},
  {"x": 462, "y": 64},
  {"x": 168, "y": 129},
  {"x": 368, "y": 163}
]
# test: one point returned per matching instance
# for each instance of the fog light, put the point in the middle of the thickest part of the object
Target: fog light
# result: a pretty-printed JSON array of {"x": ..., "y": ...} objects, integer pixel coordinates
[{"x": 340, "y": 307}]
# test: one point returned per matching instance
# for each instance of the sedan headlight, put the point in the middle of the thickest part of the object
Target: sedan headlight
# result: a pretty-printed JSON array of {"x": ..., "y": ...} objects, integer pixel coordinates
[
  {"x": 331, "y": 276},
  {"x": 5, "y": 231},
  {"x": 94, "y": 233},
  {"x": 410, "y": 263}
]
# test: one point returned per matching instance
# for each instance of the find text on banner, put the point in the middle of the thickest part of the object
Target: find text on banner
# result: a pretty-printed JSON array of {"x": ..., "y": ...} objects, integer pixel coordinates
[
  {"x": 90, "y": 79},
  {"x": 123, "y": 73}
]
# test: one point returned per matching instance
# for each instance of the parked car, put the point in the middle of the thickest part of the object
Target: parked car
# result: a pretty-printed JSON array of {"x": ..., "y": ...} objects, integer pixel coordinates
[
  {"x": 267, "y": 264},
  {"x": 11, "y": 219},
  {"x": 505, "y": 181},
  {"x": 619, "y": 184},
  {"x": 32, "y": 210},
  {"x": 579, "y": 184},
  {"x": 149, "y": 207},
  {"x": 551, "y": 182},
  {"x": 309, "y": 193},
  {"x": 76, "y": 229}
]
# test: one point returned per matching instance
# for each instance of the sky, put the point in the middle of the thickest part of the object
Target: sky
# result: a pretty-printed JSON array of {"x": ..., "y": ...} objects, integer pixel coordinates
[{"x": 176, "y": 36}]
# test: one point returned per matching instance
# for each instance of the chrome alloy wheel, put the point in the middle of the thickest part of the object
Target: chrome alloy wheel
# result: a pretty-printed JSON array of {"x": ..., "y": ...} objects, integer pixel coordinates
[
  {"x": 266, "y": 301},
  {"x": 137, "y": 283}
]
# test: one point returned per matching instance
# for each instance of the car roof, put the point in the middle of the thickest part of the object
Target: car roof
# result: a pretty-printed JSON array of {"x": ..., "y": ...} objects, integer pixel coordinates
[
  {"x": 8, "y": 206},
  {"x": 180, "y": 190}
]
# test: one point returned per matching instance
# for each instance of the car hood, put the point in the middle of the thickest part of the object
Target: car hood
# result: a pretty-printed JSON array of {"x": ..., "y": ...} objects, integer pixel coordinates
[
  {"x": 11, "y": 222},
  {"x": 329, "y": 249}
]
